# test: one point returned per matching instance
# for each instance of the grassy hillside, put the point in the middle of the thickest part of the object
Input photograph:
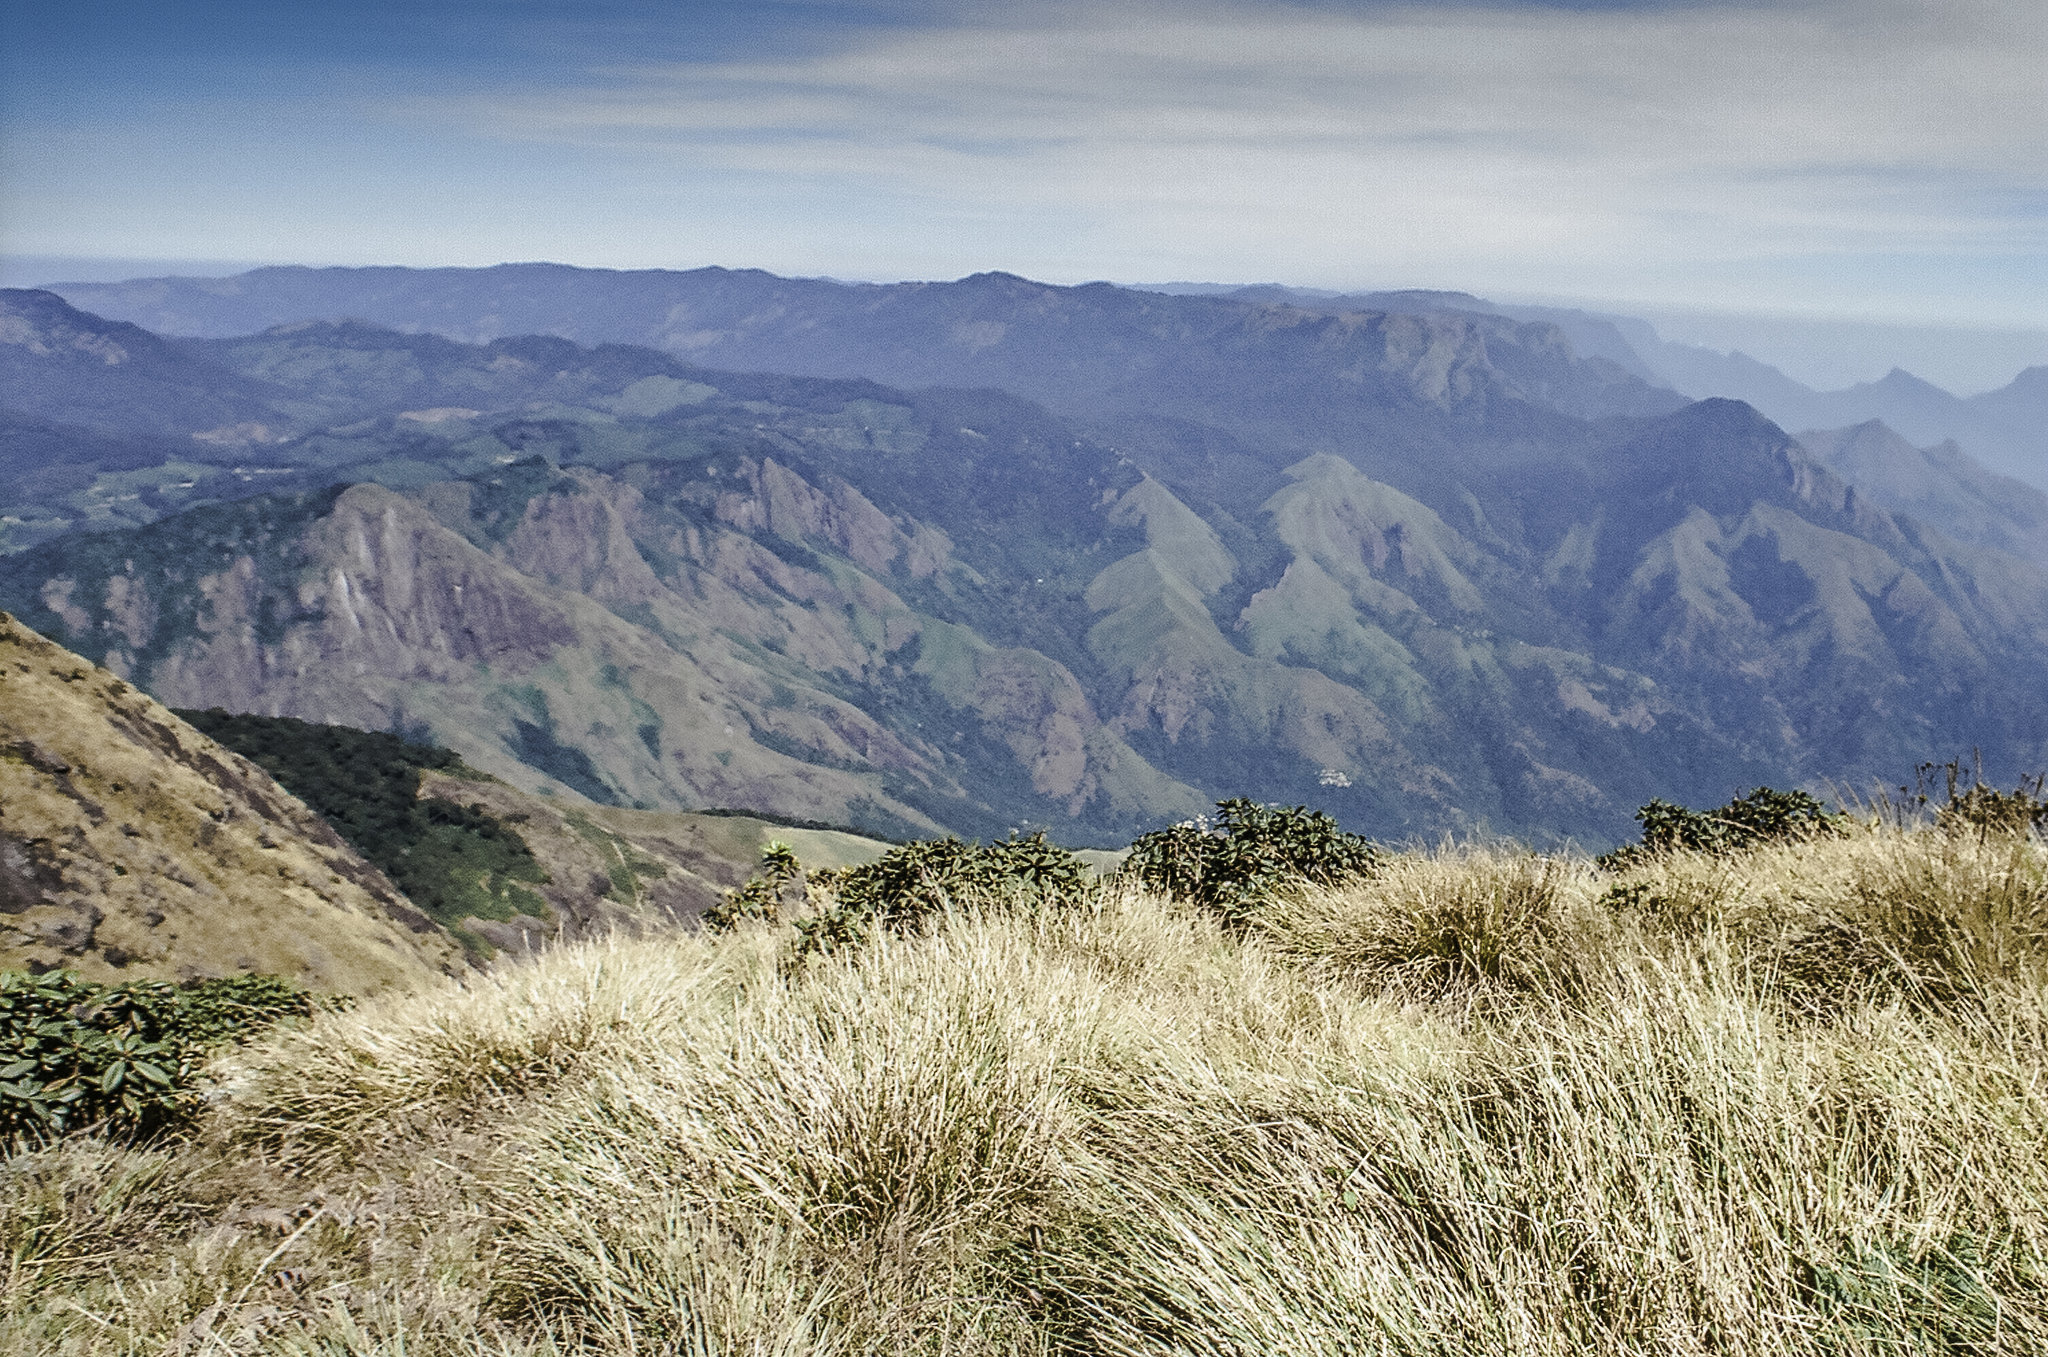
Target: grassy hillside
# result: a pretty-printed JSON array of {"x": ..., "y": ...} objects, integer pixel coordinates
[
  {"x": 132, "y": 846},
  {"x": 1791, "y": 1100}
]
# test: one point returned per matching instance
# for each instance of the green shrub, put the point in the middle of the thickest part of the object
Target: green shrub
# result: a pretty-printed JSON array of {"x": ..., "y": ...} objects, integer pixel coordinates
[
  {"x": 74, "y": 1053},
  {"x": 1765, "y": 815},
  {"x": 906, "y": 886},
  {"x": 1252, "y": 852},
  {"x": 762, "y": 896}
]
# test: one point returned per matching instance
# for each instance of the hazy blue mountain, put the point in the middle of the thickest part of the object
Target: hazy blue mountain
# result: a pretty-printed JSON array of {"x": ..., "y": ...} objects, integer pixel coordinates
[
  {"x": 1612, "y": 338},
  {"x": 1404, "y": 590},
  {"x": 63, "y": 366},
  {"x": 1941, "y": 486},
  {"x": 2006, "y": 428},
  {"x": 1089, "y": 348}
]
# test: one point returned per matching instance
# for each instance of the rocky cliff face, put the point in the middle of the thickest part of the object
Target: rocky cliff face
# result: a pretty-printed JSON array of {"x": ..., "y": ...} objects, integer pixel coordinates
[{"x": 132, "y": 845}]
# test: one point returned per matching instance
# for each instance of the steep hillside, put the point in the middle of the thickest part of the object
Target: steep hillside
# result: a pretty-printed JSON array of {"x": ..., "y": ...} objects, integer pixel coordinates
[
  {"x": 517, "y": 619},
  {"x": 498, "y": 867},
  {"x": 132, "y": 845}
]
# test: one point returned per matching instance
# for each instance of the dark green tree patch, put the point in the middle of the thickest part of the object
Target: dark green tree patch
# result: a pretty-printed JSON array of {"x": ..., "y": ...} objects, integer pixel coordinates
[{"x": 452, "y": 861}]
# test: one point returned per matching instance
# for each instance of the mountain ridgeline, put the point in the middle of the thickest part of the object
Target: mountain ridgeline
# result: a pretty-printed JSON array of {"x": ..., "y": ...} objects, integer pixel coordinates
[
  {"x": 1223, "y": 351},
  {"x": 1431, "y": 571}
]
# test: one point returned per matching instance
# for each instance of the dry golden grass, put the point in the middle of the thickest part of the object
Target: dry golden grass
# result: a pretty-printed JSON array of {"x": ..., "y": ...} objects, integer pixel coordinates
[{"x": 1793, "y": 1102}]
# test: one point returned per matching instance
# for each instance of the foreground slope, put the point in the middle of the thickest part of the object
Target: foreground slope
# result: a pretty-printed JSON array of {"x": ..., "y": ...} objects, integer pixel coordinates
[
  {"x": 1486, "y": 1103},
  {"x": 132, "y": 845}
]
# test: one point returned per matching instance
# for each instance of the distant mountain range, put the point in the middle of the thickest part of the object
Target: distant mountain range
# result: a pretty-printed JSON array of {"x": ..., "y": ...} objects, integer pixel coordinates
[
  {"x": 1001, "y": 331},
  {"x": 1432, "y": 571},
  {"x": 2006, "y": 428}
]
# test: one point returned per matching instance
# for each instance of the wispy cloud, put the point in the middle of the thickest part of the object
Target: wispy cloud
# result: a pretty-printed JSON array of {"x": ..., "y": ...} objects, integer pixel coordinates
[
  {"x": 1874, "y": 156},
  {"x": 1391, "y": 138}
]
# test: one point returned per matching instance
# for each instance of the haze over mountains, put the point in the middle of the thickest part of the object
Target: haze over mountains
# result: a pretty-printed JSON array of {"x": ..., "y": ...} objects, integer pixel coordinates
[
  {"x": 1089, "y": 559},
  {"x": 2006, "y": 428},
  {"x": 749, "y": 320}
]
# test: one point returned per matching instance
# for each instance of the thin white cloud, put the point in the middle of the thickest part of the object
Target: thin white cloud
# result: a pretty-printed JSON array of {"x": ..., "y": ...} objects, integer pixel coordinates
[
  {"x": 1463, "y": 132},
  {"x": 1872, "y": 157}
]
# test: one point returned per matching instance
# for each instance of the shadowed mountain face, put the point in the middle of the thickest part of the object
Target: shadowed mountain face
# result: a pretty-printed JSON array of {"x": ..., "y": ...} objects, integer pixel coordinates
[{"x": 1426, "y": 600}]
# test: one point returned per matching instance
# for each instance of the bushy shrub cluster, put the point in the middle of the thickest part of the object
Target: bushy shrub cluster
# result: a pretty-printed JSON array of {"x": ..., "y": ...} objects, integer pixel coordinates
[
  {"x": 904, "y": 887},
  {"x": 763, "y": 895},
  {"x": 1763, "y": 816},
  {"x": 74, "y": 1053},
  {"x": 1828, "y": 915},
  {"x": 1250, "y": 853}
]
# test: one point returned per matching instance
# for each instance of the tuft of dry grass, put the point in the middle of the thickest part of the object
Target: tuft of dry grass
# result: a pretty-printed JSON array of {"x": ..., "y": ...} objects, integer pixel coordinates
[
  {"x": 1460, "y": 921},
  {"x": 1791, "y": 1102}
]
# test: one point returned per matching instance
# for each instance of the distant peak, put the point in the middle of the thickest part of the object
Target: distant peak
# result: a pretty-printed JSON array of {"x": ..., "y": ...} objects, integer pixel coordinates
[
  {"x": 1724, "y": 417},
  {"x": 2033, "y": 381},
  {"x": 1900, "y": 380},
  {"x": 994, "y": 277}
]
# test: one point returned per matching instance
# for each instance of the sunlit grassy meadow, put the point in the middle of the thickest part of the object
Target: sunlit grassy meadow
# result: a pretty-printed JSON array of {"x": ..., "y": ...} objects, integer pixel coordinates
[{"x": 1791, "y": 1100}]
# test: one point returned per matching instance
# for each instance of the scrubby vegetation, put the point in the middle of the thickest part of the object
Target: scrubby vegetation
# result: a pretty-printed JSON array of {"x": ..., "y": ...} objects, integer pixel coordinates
[
  {"x": 1249, "y": 853},
  {"x": 1789, "y": 1097},
  {"x": 1763, "y": 816},
  {"x": 452, "y": 861},
  {"x": 904, "y": 888},
  {"x": 74, "y": 1053},
  {"x": 1974, "y": 806}
]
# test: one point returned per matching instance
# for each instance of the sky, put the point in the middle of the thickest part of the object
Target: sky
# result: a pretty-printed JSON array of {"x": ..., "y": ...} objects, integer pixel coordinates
[{"x": 1881, "y": 161}]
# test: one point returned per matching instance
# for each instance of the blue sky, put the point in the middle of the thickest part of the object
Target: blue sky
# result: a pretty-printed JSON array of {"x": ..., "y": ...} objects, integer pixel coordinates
[{"x": 1885, "y": 159}]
